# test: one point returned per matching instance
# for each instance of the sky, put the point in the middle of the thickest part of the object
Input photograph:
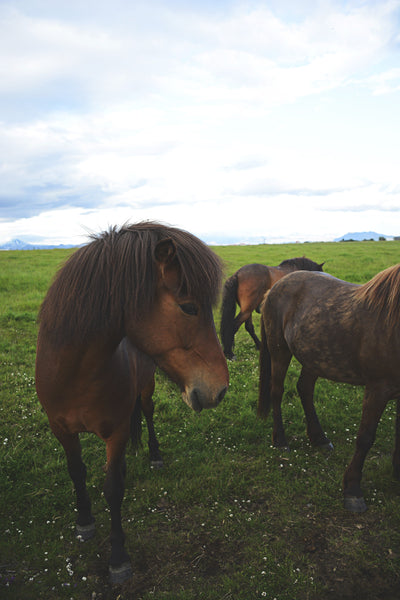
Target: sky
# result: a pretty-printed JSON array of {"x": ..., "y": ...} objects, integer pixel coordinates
[{"x": 242, "y": 122}]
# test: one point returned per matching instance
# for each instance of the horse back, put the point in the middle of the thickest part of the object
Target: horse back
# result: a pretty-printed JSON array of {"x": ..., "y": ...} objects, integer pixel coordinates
[{"x": 253, "y": 281}]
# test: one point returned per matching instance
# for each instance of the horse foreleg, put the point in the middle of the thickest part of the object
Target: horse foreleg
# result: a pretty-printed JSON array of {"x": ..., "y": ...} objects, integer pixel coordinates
[
  {"x": 241, "y": 317},
  {"x": 305, "y": 388},
  {"x": 85, "y": 527},
  {"x": 396, "y": 453},
  {"x": 114, "y": 486},
  {"x": 373, "y": 406},
  {"x": 250, "y": 329},
  {"x": 148, "y": 411}
]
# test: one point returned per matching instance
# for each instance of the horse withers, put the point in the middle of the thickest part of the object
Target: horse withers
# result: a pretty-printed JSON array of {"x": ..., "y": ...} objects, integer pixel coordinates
[
  {"x": 339, "y": 331},
  {"x": 129, "y": 300},
  {"x": 247, "y": 288}
]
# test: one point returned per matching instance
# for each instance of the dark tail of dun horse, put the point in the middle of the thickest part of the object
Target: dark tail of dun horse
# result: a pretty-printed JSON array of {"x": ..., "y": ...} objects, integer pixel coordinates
[{"x": 228, "y": 310}]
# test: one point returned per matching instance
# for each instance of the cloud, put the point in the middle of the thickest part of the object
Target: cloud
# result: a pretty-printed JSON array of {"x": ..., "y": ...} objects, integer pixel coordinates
[
  {"x": 274, "y": 188},
  {"x": 81, "y": 63},
  {"x": 360, "y": 208},
  {"x": 387, "y": 82},
  {"x": 185, "y": 111}
]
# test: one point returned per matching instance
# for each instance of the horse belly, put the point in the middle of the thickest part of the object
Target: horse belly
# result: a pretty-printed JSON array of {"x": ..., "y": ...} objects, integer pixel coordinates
[
  {"x": 332, "y": 368},
  {"x": 329, "y": 351}
]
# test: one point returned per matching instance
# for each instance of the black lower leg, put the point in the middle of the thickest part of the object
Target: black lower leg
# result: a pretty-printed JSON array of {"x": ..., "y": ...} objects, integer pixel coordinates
[
  {"x": 154, "y": 449},
  {"x": 114, "y": 491},
  {"x": 305, "y": 388},
  {"x": 77, "y": 472},
  {"x": 250, "y": 330}
]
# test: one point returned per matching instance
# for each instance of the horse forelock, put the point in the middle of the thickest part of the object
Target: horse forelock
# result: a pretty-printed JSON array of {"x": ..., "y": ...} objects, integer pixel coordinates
[
  {"x": 116, "y": 273},
  {"x": 382, "y": 294},
  {"x": 301, "y": 263},
  {"x": 201, "y": 268}
]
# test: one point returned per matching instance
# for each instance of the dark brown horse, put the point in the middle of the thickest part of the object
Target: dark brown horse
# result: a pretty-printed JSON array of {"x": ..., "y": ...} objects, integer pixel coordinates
[
  {"x": 130, "y": 299},
  {"x": 246, "y": 288},
  {"x": 340, "y": 331}
]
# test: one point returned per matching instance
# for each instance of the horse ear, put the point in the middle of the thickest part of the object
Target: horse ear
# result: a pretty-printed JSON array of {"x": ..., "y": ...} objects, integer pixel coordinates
[
  {"x": 165, "y": 251},
  {"x": 321, "y": 265}
]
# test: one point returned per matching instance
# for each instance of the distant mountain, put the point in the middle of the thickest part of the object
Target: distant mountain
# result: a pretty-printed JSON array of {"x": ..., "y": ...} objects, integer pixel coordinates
[
  {"x": 361, "y": 236},
  {"x": 19, "y": 245}
]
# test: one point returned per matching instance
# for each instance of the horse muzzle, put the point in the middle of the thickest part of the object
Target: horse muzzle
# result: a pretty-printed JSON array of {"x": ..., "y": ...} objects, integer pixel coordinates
[{"x": 197, "y": 398}]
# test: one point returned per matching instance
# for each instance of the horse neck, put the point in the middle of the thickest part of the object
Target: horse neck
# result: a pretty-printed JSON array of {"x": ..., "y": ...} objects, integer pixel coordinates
[
  {"x": 99, "y": 350},
  {"x": 288, "y": 268},
  {"x": 84, "y": 356}
]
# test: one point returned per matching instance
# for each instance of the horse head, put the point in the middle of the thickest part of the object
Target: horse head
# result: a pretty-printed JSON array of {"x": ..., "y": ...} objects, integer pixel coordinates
[{"x": 179, "y": 333}]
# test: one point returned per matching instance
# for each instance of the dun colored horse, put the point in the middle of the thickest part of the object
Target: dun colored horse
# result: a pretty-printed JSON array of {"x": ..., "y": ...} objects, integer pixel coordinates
[
  {"x": 246, "y": 288},
  {"x": 130, "y": 299},
  {"x": 340, "y": 331}
]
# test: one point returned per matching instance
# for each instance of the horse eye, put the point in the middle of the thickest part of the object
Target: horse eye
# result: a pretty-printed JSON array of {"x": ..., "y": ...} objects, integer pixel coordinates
[{"x": 189, "y": 308}]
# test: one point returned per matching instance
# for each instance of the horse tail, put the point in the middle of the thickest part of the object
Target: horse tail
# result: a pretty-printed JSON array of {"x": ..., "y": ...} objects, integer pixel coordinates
[
  {"x": 228, "y": 310},
  {"x": 264, "y": 388},
  {"x": 136, "y": 424}
]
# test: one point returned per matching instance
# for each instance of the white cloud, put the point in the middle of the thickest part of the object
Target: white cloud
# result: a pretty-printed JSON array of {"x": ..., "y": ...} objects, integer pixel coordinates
[{"x": 188, "y": 115}]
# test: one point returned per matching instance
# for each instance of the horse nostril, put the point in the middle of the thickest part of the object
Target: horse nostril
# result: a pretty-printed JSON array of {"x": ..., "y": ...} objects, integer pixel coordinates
[
  {"x": 195, "y": 401},
  {"x": 199, "y": 400},
  {"x": 221, "y": 394}
]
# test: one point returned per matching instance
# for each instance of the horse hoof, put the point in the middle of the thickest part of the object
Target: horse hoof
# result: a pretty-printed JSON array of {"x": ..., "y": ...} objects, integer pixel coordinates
[
  {"x": 85, "y": 532},
  {"x": 282, "y": 447},
  {"x": 328, "y": 446},
  {"x": 120, "y": 574},
  {"x": 354, "y": 504}
]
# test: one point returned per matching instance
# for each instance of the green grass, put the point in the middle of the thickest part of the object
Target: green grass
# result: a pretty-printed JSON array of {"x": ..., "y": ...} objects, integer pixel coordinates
[{"x": 229, "y": 517}]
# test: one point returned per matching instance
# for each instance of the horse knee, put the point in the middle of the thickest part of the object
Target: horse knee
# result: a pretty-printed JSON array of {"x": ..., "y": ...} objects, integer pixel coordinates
[
  {"x": 365, "y": 440},
  {"x": 114, "y": 485}
]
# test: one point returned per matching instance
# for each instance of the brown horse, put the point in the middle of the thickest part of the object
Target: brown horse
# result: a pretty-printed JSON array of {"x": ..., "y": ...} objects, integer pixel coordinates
[
  {"x": 131, "y": 299},
  {"x": 246, "y": 288},
  {"x": 340, "y": 331}
]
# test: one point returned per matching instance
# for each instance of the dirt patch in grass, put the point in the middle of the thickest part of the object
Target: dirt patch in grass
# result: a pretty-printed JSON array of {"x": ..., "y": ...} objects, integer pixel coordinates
[{"x": 336, "y": 554}]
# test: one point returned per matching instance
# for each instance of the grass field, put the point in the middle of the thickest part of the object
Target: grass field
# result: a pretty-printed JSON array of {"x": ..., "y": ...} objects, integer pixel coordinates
[{"x": 228, "y": 517}]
